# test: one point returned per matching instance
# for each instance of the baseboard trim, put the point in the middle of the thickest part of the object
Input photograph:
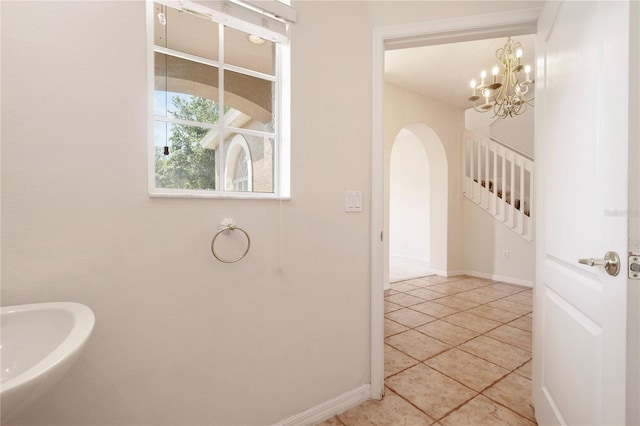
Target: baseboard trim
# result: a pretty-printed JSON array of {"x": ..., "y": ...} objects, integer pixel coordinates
[
  {"x": 330, "y": 408},
  {"x": 439, "y": 272},
  {"x": 510, "y": 280}
]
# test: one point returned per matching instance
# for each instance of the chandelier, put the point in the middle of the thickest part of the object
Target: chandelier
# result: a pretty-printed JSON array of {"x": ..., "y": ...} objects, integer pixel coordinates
[{"x": 511, "y": 94}]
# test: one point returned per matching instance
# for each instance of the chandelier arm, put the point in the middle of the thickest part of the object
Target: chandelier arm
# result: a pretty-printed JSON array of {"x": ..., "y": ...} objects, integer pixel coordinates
[{"x": 509, "y": 97}]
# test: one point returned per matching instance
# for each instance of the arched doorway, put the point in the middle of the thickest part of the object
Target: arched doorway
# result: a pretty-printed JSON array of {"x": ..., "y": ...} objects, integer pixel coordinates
[
  {"x": 408, "y": 209},
  {"x": 418, "y": 201}
]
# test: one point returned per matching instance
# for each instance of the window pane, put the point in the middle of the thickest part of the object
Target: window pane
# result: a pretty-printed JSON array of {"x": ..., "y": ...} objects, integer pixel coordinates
[
  {"x": 189, "y": 165},
  {"x": 240, "y": 51},
  {"x": 249, "y": 101},
  {"x": 186, "y": 32},
  {"x": 185, "y": 89},
  {"x": 259, "y": 165}
]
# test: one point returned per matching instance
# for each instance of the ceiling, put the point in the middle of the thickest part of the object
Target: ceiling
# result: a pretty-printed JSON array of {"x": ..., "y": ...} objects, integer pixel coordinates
[{"x": 443, "y": 72}]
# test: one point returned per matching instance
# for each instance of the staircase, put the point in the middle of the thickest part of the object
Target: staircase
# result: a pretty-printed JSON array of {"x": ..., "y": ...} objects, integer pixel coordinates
[{"x": 500, "y": 180}]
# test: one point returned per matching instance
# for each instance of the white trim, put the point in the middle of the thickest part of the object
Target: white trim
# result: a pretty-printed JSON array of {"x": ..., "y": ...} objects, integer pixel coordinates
[
  {"x": 440, "y": 272},
  {"x": 281, "y": 107},
  {"x": 509, "y": 280},
  {"x": 377, "y": 219},
  {"x": 151, "y": 143},
  {"x": 234, "y": 15},
  {"x": 181, "y": 193},
  {"x": 422, "y": 33},
  {"x": 328, "y": 409},
  {"x": 276, "y": 8}
]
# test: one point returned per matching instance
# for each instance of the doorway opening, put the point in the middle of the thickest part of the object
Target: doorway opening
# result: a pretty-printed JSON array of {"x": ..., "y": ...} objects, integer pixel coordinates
[
  {"x": 426, "y": 33},
  {"x": 417, "y": 203}
]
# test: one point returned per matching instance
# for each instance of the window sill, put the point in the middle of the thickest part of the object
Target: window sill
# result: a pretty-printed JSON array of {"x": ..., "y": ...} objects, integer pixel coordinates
[{"x": 225, "y": 196}]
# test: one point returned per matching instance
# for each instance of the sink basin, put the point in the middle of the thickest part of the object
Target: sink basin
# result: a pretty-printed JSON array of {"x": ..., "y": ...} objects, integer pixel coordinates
[{"x": 39, "y": 343}]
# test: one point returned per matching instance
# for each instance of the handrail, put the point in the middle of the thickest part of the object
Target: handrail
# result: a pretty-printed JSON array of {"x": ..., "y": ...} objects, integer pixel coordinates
[{"x": 512, "y": 148}]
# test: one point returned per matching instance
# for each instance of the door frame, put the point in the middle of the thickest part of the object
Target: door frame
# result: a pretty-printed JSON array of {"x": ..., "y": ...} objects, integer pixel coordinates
[{"x": 500, "y": 24}]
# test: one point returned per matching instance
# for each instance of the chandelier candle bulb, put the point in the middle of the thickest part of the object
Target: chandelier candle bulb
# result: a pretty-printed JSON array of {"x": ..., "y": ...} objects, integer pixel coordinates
[{"x": 512, "y": 96}]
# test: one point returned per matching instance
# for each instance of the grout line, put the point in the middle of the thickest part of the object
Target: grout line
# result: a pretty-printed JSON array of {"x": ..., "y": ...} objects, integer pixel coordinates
[
  {"x": 435, "y": 420},
  {"x": 509, "y": 408},
  {"x": 443, "y": 318}
]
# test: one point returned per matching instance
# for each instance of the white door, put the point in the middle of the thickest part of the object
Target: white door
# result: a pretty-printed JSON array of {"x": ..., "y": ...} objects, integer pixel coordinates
[{"x": 582, "y": 177}]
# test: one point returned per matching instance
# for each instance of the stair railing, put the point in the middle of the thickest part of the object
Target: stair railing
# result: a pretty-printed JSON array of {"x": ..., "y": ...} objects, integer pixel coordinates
[{"x": 500, "y": 180}]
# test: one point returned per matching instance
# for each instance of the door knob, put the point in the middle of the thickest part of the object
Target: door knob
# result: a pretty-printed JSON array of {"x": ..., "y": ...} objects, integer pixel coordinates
[{"x": 611, "y": 262}]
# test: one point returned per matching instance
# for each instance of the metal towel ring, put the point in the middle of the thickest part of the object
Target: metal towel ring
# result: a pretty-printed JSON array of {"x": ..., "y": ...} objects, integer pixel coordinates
[{"x": 230, "y": 227}]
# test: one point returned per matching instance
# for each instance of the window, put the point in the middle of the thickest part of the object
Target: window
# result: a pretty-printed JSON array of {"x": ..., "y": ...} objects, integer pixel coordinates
[
  {"x": 220, "y": 100},
  {"x": 239, "y": 166}
]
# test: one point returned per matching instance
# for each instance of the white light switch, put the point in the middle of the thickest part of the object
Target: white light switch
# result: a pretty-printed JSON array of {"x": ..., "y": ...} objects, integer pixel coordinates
[{"x": 353, "y": 201}]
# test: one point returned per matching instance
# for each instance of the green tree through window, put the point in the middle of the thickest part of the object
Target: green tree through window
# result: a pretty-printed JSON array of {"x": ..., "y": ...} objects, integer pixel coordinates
[{"x": 188, "y": 165}]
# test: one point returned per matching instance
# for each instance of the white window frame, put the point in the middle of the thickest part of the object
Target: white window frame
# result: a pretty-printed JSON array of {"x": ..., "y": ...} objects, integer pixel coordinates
[{"x": 282, "y": 98}]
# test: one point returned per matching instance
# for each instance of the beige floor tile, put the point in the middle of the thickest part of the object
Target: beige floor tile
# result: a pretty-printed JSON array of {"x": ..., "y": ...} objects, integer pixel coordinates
[
  {"x": 429, "y": 390},
  {"x": 524, "y": 298},
  {"x": 523, "y": 323},
  {"x": 514, "y": 391},
  {"x": 472, "y": 283},
  {"x": 434, "y": 309},
  {"x": 426, "y": 293},
  {"x": 417, "y": 345},
  {"x": 409, "y": 317},
  {"x": 389, "y": 292},
  {"x": 404, "y": 299},
  {"x": 491, "y": 292},
  {"x": 472, "y": 322},
  {"x": 467, "y": 369},
  {"x": 497, "y": 352},
  {"x": 513, "y": 336},
  {"x": 525, "y": 370},
  {"x": 419, "y": 282},
  {"x": 478, "y": 296},
  {"x": 390, "y": 307},
  {"x": 402, "y": 286},
  {"x": 507, "y": 305},
  {"x": 457, "y": 303},
  {"x": 437, "y": 279},
  {"x": 392, "y": 327},
  {"x": 508, "y": 288},
  {"x": 481, "y": 411},
  {"x": 448, "y": 288},
  {"x": 447, "y": 332},
  {"x": 494, "y": 314},
  {"x": 333, "y": 421},
  {"x": 396, "y": 361},
  {"x": 391, "y": 410}
]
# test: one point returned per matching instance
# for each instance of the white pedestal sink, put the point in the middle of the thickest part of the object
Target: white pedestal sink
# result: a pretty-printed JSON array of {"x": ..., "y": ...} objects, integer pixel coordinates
[{"x": 39, "y": 343}]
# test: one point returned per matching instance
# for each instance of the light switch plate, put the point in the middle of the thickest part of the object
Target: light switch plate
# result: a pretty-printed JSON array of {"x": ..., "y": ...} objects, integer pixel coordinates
[{"x": 353, "y": 202}]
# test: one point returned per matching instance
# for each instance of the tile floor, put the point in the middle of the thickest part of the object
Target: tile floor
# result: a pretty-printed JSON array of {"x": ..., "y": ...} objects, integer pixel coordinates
[{"x": 457, "y": 352}]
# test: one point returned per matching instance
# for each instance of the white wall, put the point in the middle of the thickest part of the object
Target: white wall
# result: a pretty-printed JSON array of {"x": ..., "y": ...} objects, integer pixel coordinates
[
  {"x": 516, "y": 132},
  {"x": 486, "y": 240},
  {"x": 181, "y": 338},
  {"x": 409, "y": 199},
  {"x": 404, "y": 109}
]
